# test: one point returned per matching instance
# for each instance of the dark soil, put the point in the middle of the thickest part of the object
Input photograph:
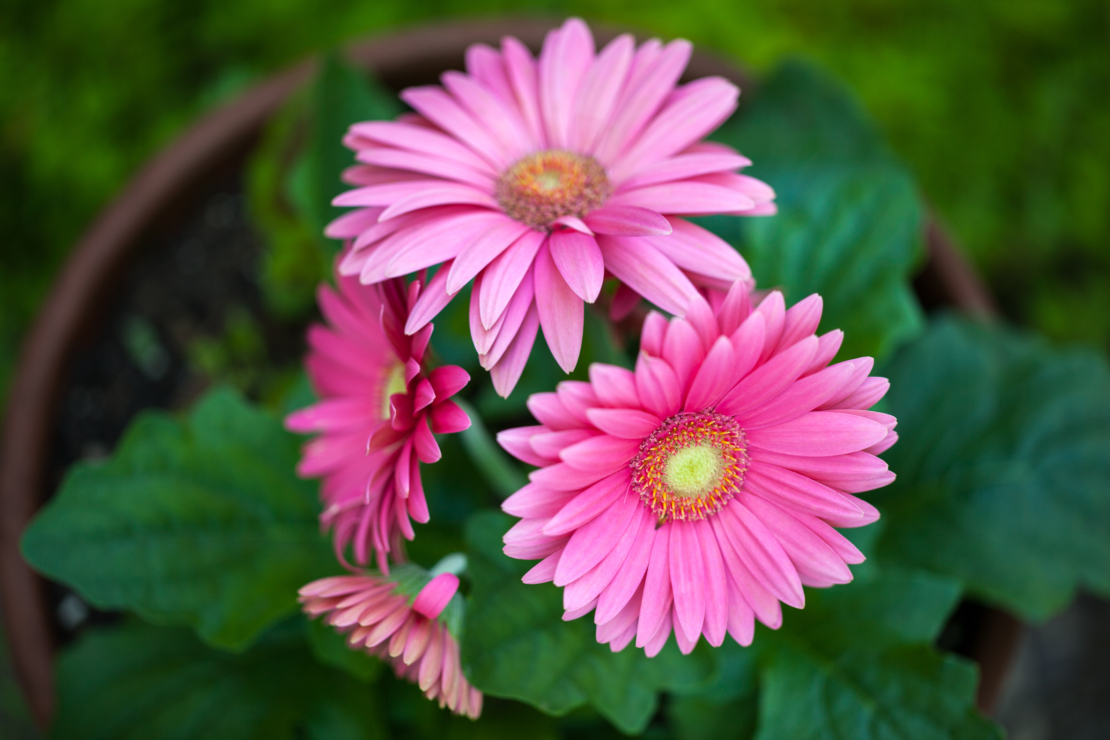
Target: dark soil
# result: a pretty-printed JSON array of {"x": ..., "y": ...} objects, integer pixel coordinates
[{"x": 184, "y": 287}]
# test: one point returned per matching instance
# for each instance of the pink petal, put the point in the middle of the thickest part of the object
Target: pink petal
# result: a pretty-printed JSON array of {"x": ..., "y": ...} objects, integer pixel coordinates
[
  {"x": 627, "y": 221},
  {"x": 773, "y": 310},
  {"x": 432, "y": 300},
  {"x": 685, "y": 197},
  {"x": 425, "y": 444},
  {"x": 424, "y": 140},
  {"x": 648, "y": 86},
  {"x": 387, "y": 194},
  {"x": 614, "y": 386},
  {"x": 631, "y": 424},
  {"x": 828, "y": 344},
  {"x": 508, "y": 323},
  {"x": 819, "y": 433},
  {"x": 589, "y": 504},
  {"x": 762, "y": 554},
  {"x": 657, "y": 386},
  {"x": 696, "y": 250},
  {"x": 687, "y": 578},
  {"x": 502, "y": 120},
  {"x": 567, "y": 54},
  {"x": 448, "y": 418},
  {"x": 560, "y": 312},
  {"x": 780, "y": 485},
  {"x": 484, "y": 65},
  {"x": 579, "y": 261},
  {"x": 803, "y": 396},
  {"x": 447, "y": 380},
  {"x": 715, "y": 584},
  {"x": 850, "y": 467},
  {"x": 573, "y": 222},
  {"x": 520, "y": 68},
  {"x": 426, "y": 165},
  {"x": 741, "y": 618},
  {"x": 622, "y": 589},
  {"x": 869, "y": 393},
  {"x": 516, "y": 443},
  {"x": 766, "y": 607},
  {"x": 713, "y": 378},
  {"x": 655, "y": 645},
  {"x": 810, "y": 554},
  {"x": 504, "y": 275},
  {"x": 598, "y": 93},
  {"x": 656, "y": 604},
  {"x": 585, "y": 590},
  {"x": 479, "y": 253},
  {"x": 535, "y": 501},
  {"x": 433, "y": 598},
  {"x": 648, "y": 272},
  {"x": 577, "y": 397},
  {"x": 735, "y": 308},
  {"x": 801, "y": 320},
  {"x": 562, "y": 477},
  {"x": 550, "y": 444},
  {"x": 683, "y": 351},
  {"x": 683, "y": 166},
  {"x": 548, "y": 408},
  {"x": 770, "y": 380},
  {"x": 544, "y": 571},
  {"x": 695, "y": 109},
  {"x": 440, "y": 108},
  {"x": 508, "y": 369},
  {"x": 596, "y": 539},
  {"x": 653, "y": 333}
]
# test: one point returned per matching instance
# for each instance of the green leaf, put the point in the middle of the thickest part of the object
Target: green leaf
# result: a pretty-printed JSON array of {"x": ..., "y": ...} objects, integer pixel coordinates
[
  {"x": 500, "y": 471},
  {"x": 517, "y": 646},
  {"x": 330, "y": 648},
  {"x": 1002, "y": 465},
  {"x": 139, "y": 681},
  {"x": 200, "y": 522},
  {"x": 858, "y": 663},
  {"x": 342, "y": 96},
  {"x": 849, "y": 216},
  {"x": 727, "y": 707}
]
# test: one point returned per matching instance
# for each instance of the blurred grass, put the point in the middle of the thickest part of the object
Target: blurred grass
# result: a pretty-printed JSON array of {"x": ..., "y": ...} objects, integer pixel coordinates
[{"x": 999, "y": 106}]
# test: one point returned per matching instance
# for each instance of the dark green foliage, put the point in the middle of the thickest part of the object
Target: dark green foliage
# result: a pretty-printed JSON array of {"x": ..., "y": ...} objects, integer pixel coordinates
[
  {"x": 138, "y": 681},
  {"x": 518, "y": 647},
  {"x": 1003, "y": 465},
  {"x": 849, "y": 216},
  {"x": 198, "y": 522}
]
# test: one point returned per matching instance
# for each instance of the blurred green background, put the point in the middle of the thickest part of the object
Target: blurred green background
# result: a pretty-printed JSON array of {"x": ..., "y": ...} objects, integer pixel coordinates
[{"x": 999, "y": 106}]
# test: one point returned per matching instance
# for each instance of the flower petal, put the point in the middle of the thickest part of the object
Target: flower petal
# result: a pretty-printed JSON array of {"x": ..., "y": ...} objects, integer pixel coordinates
[{"x": 560, "y": 312}]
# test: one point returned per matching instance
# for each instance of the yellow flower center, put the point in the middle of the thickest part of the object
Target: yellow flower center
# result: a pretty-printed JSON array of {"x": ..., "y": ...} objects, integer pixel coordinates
[
  {"x": 394, "y": 383},
  {"x": 691, "y": 466},
  {"x": 547, "y": 185}
]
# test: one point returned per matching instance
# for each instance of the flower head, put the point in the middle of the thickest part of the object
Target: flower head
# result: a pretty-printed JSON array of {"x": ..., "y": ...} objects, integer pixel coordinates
[
  {"x": 379, "y": 407},
  {"x": 535, "y": 178},
  {"x": 409, "y": 633},
  {"x": 701, "y": 490}
]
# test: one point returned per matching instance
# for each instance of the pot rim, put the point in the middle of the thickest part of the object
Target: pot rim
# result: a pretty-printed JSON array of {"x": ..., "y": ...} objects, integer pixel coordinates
[{"x": 154, "y": 196}]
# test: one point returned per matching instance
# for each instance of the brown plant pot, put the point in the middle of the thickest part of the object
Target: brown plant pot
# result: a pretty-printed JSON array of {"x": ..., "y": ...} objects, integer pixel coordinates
[{"x": 156, "y": 199}]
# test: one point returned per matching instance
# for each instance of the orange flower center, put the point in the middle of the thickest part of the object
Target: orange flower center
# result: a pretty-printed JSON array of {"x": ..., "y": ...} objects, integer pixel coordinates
[
  {"x": 691, "y": 466},
  {"x": 550, "y": 184}
]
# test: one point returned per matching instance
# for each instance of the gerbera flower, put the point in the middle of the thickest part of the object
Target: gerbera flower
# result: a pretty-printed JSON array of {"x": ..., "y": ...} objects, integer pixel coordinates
[
  {"x": 378, "y": 410},
  {"x": 703, "y": 489},
  {"x": 535, "y": 178},
  {"x": 410, "y": 632}
]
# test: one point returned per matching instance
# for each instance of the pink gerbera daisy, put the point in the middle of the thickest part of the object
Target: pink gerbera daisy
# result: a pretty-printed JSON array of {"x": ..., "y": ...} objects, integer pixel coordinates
[
  {"x": 536, "y": 177},
  {"x": 379, "y": 407},
  {"x": 409, "y": 632},
  {"x": 703, "y": 489}
]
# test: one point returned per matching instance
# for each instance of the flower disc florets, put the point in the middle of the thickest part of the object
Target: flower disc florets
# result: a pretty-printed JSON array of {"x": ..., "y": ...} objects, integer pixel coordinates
[
  {"x": 691, "y": 466},
  {"x": 550, "y": 184}
]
